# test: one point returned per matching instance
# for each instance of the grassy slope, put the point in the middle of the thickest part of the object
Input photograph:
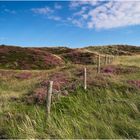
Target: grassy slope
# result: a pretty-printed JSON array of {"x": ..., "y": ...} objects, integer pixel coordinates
[
  {"x": 109, "y": 112},
  {"x": 115, "y": 49},
  {"x": 130, "y": 61}
]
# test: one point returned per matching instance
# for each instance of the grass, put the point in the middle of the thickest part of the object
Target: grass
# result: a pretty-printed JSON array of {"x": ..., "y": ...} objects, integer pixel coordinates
[
  {"x": 111, "y": 111},
  {"x": 129, "y": 61}
]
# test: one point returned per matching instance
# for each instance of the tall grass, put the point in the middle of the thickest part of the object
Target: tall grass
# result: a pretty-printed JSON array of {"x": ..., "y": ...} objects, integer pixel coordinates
[
  {"x": 100, "y": 112},
  {"x": 129, "y": 60},
  {"x": 96, "y": 113}
]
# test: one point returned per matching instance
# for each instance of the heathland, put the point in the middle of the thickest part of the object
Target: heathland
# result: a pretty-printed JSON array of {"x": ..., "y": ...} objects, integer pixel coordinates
[{"x": 109, "y": 108}]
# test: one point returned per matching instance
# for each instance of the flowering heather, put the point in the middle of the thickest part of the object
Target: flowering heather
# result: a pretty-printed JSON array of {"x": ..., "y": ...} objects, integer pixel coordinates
[
  {"x": 48, "y": 58},
  {"x": 79, "y": 57},
  {"x": 23, "y": 75},
  {"x": 108, "y": 70},
  {"x": 4, "y": 50},
  {"x": 28, "y": 58},
  {"x": 119, "y": 69},
  {"x": 52, "y": 60},
  {"x": 7, "y": 73},
  {"x": 124, "y": 70},
  {"x": 60, "y": 79},
  {"x": 37, "y": 96},
  {"x": 134, "y": 83}
]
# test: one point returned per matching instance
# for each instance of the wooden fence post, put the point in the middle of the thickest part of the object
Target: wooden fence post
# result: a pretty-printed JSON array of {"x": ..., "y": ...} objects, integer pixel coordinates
[
  {"x": 105, "y": 59},
  {"x": 108, "y": 59},
  {"x": 48, "y": 100},
  {"x": 85, "y": 78},
  {"x": 111, "y": 58},
  {"x": 99, "y": 64}
]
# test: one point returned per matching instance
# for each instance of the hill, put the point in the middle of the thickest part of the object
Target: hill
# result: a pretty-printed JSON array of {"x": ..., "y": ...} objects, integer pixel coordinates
[
  {"x": 27, "y": 58},
  {"x": 115, "y": 49},
  {"x": 13, "y": 57}
]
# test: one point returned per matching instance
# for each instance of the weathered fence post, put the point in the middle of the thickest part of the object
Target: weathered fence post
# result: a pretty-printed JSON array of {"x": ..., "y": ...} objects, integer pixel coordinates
[
  {"x": 111, "y": 58},
  {"x": 48, "y": 99},
  {"x": 99, "y": 64},
  {"x": 108, "y": 59},
  {"x": 85, "y": 78},
  {"x": 105, "y": 59}
]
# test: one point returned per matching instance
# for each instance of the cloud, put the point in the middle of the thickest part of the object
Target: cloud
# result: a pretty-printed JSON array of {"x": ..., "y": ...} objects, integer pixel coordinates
[
  {"x": 95, "y": 14},
  {"x": 48, "y": 12},
  {"x": 75, "y": 4},
  {"x": 106, "y": 14},
  {"x": 44, "y": 10},
  {"x": 57, "y": 6},
  {"x": 56, "y": 18},
  {"x": 76, "y": 22},
  {"x": 9, "y": 11}
]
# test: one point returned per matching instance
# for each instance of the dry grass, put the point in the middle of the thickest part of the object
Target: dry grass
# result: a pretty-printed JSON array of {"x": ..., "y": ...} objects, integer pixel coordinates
[{"x": 128, "y": 60}]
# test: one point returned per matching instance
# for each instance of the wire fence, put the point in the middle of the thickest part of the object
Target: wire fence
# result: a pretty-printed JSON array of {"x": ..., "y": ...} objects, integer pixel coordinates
[{"x": 101, "y": 60}]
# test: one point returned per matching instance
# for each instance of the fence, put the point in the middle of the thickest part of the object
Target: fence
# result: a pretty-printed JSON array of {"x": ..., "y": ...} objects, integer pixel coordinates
[{"x": 108, "y": 59}]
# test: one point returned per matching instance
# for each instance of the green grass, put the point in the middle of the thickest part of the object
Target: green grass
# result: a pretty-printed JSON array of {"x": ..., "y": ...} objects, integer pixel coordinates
[{"x": 100, "y": 112}]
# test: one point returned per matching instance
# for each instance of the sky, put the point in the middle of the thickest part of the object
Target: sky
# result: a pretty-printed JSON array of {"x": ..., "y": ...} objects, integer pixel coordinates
[{"x": 69, "y": 23}]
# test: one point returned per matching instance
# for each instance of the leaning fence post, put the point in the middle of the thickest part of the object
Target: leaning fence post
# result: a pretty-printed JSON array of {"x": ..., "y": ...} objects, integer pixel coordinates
[
  {"x": 99, "y": 64},
  {"x": 85, "y": 78},
  {"x": 48, "y": 100}
]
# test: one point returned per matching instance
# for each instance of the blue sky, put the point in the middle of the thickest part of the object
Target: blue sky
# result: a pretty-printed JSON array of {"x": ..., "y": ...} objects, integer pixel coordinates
[{"x": 69, "y": 23}]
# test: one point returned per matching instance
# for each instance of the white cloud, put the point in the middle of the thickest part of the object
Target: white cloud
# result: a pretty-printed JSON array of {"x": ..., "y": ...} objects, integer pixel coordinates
[
  {"x": 56, "y": 18},
  {"x": 74, "y": 4},
  {"x": 44, "y": 10},
  {"x": 76, "y": 22},
  {"x": 9, "y": 11},
  {"x": 95, "y": 14},
  {"x": 48, "y": 12},
  {"x": 57, "y": 6},
  {"x": 107, "y": 14}
]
